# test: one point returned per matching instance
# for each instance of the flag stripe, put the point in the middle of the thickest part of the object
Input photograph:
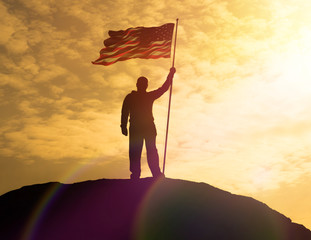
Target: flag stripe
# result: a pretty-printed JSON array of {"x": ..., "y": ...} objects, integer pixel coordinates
[
  {"x": 152, "y": 54},
  {"x": 142, "y": 53},
  {"x": 160, "y": 51},
  {"x": 107, "y": 63},
  {"x": 107, "y": 53}
]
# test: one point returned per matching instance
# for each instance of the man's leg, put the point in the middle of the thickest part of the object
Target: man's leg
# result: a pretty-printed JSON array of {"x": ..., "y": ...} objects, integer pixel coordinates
[
  {"x": 152, "y": 153},
  {"x": 135, "y": 148}
]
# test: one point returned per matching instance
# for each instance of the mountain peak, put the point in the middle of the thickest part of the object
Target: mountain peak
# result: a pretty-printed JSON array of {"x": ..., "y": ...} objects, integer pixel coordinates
[{"x": 142, "y": 209}]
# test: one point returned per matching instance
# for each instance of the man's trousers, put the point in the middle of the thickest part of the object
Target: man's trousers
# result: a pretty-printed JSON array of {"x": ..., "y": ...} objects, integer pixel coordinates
[{"x": 137, "y": 134}]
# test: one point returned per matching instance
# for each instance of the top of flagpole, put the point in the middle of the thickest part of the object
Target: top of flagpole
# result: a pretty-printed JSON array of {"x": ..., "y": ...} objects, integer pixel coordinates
[{"x": 173, "y": 64}]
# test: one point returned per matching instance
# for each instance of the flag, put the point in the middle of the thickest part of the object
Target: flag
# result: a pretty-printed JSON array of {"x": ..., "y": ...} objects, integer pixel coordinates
[{"x": 139, "y": 42}]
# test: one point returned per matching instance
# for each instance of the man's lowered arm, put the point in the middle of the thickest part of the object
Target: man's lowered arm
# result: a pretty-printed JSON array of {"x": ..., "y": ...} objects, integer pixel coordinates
[{"x": 124, "y": 115}]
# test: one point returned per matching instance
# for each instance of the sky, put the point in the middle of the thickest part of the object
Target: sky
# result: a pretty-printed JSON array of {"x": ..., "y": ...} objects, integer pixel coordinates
[{"x": 240, "y": 114}]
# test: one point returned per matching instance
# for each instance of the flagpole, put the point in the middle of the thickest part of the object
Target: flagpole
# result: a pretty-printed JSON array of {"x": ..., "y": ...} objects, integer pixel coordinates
[{"x": 169, "y": 101}]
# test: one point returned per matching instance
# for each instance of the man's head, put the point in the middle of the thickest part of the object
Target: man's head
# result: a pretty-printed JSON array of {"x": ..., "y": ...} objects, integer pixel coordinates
[{"x": 142, "y": 84}]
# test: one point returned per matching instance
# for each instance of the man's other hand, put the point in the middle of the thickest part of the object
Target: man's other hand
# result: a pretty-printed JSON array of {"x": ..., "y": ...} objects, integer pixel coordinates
[{"x": 124, "y": 131}]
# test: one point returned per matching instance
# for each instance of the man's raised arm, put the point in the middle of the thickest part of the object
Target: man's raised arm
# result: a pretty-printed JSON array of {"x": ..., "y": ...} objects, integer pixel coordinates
[{"x": 160, "y": 91}]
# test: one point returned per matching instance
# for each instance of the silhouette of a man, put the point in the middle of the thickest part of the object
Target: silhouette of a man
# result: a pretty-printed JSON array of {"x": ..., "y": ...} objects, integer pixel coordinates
[{"x": 138, "y": 104}]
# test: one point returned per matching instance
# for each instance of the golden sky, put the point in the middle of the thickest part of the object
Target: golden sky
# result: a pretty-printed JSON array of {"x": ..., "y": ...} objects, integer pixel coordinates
[{"x": 240, "y": 117}]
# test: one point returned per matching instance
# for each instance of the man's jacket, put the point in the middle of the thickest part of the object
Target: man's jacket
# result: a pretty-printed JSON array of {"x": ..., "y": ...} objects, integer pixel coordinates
[{"x": 138, "y": 105}]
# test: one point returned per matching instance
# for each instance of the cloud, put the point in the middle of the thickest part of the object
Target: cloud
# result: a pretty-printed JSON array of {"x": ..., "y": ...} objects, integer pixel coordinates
[
  {"x": 61, "y": 137},
  {"x": 49, "y": 73},
  {"x": 40, "y": 7},
  {"x": 9, "y": 24}
]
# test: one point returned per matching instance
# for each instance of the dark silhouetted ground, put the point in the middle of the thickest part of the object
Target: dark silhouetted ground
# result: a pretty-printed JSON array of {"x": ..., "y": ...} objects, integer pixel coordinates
[{"x": 146, "y": 209}]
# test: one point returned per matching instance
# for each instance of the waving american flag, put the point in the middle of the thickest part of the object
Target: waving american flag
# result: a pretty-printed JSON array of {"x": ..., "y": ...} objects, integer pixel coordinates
[{"x": 139, "y": 42}]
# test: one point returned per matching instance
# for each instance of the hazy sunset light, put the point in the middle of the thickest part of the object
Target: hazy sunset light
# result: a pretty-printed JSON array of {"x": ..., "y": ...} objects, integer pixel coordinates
[{"x": 241, "y": 104}]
